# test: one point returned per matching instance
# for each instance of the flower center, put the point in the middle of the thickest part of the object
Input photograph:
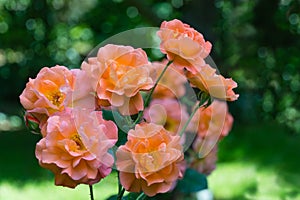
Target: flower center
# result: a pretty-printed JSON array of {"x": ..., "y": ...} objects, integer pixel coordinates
[
  {"x": 55, "y": 98},
  {"x": 77, "y": 139},
  {"x": 150, "y": 162},
  {"x": 153, "y": 159},
  {"x": 176, "y": 33}
]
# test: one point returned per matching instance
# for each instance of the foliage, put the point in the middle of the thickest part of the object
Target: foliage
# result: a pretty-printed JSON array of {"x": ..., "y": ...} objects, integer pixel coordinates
[
  {"x": 251, "y": 160},
  {"x": 254, "y": 40},
  {"x": 262, "y": 154},
  {"x": 192, "y": 182},
  {"x": 258, "y": 42},
  {"x": 38, "y": 33}
]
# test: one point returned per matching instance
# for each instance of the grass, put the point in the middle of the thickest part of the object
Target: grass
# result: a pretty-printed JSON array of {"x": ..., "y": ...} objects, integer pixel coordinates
[
  {"x": 22, "y": 178},
  {"x": 256, "y": 162},
  {"x": 46, "y": 190},
  {"x": 246, "y": 181},
  {"x": 259, "y": 162}
]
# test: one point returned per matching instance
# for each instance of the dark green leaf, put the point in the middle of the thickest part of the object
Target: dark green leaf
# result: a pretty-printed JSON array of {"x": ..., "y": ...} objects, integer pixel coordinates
[
  {"x": 193, "y": 181},
  {"x": 122, "y": 138},
  {"x": 107, "y": 115},
  {"x": 113, "y": 197},
  {"x": 131, "y": 196}
]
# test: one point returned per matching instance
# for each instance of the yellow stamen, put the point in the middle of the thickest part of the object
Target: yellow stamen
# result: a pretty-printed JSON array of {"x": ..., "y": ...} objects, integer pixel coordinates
[
  {"x": 77, "y": 139},
  {"x": 56, "y": 98}
]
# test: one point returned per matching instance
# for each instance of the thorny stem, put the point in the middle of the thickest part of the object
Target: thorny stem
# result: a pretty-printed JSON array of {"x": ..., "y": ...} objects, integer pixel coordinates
[{"x": 148, "y": 98}]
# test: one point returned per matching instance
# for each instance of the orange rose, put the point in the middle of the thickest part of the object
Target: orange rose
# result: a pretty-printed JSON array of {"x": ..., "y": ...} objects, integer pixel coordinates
[
  {"x": 55, "y": 89},
  {"x": 215, "y": 85},
  {"x": 48, "y": 91},
  {"x": 213, "y": 120},
  {"x": 118, "y": 74},
  {"x": 211, "y": 124},
  {"x": 150, "y": 161},
  {"x": 76, "y": 146},
  {"x": 183, "y": 45}
]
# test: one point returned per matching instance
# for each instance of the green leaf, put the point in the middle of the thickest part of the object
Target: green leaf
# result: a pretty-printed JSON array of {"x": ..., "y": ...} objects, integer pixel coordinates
[
  {"x": 113, "y": 197},
  {"x": 122, "y": 138},
  {"x": 123, "y": 122},
  {"x": 131, "y": 196},
  {"x": 107, "y": 115},
  {"x": 193, "y": 181}
]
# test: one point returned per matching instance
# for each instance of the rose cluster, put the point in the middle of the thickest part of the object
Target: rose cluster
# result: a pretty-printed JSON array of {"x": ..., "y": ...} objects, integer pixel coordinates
[{"x": 69, "y": 106}]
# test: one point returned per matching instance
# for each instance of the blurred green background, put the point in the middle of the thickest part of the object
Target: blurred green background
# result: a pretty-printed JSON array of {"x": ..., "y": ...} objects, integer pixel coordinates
[{"x": 257, "y": 43}]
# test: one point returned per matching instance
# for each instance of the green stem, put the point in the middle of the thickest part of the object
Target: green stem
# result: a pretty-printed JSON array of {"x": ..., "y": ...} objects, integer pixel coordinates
[
  {"x": 142, "y": 196},
  {"x": 204, "y": 100},
  {"x": 190, "y": 118},
  {"x": 148, "y": 98},
  {"x": 91, "y": 192},
  {"x": 121, "y": 190},
  {"x": 120, "y": 195}
]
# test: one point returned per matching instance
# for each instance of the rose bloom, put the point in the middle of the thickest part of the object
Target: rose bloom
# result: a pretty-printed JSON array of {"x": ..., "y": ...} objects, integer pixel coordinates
[
  {"x": 183, "y": 45},
  {"x": 211, "y": 124},
  {"x": 53, "y": 90},
  {"x": 76, "y": 146},
  {"x": 150, "y": 161},
  {"x": 118, "y": 73},
  {"x": 168, "y": 113},
  {"x": 207, "y": 164},
  {"x": 215, "y": 85},
  {"x": 172, "y": 83},
  {"x": 48, "y": 92},
  {"x": 213, "y": 120}
]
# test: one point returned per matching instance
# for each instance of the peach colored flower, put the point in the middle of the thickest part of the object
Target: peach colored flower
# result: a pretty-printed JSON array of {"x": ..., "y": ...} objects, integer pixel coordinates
[
  {"x": 172, "y": 83},
  {"x": 53, "y": 90},
  {"x": 211, "y": 124},
  {"x": 215, "y": 85},
  {"x": 48, "y": 92},
  {"x": 76, "y": 146},
  {"x": 183, "y": 44},
  {"x": 118, "y": 74},
  {"x": 213, "y": 120},
  {"x": 168, "y": 113},
  {"x": 207, "y": 164},
  {"x": 150, "y": 160}
]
